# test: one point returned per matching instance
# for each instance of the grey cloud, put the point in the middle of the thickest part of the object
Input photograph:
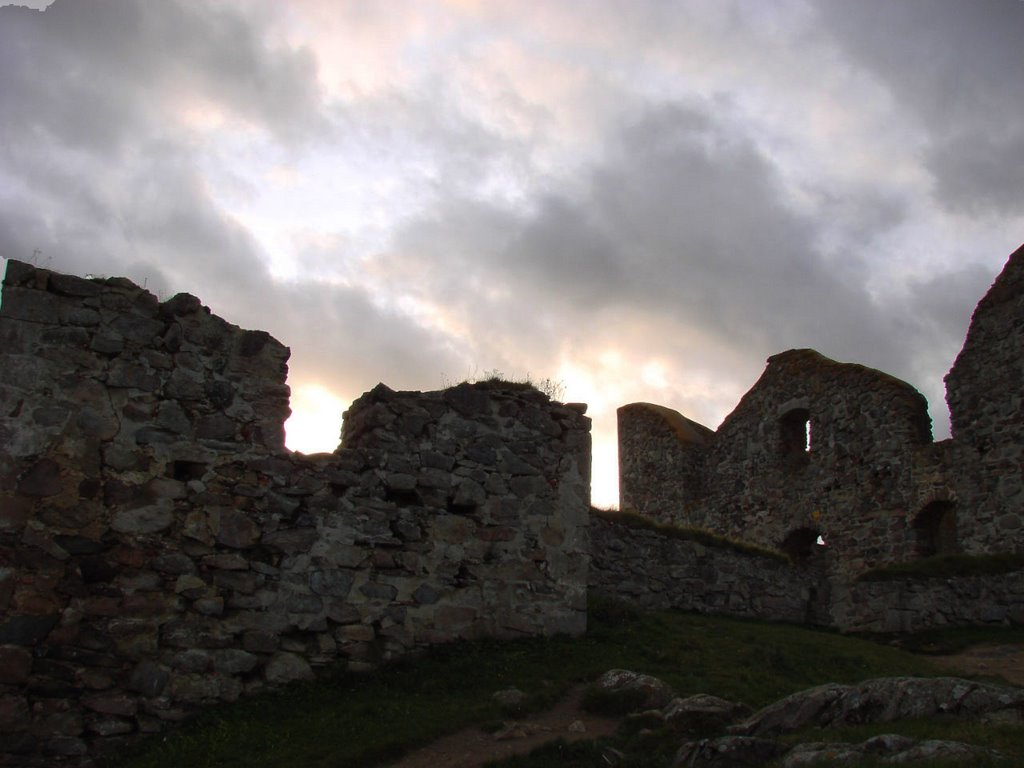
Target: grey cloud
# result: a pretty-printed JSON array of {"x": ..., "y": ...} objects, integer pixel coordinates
[
  {"x": 684, "y": 228},
  {"x": 96, "y": 176},
  {"x": 339, "y": 335},
  {"x": 92, "y": 75},
  {"x": 684, "y": 219},
  {"x": 958, "y": 67}
]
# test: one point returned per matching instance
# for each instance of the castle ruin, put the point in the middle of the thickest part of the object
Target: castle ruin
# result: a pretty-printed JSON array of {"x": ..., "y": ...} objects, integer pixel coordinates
[{"x": 161, "y": 550}]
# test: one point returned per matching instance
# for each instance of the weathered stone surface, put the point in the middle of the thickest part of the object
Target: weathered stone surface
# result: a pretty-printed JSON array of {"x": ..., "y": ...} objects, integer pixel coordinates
[
  {"x": 291, "y": 541},
  {"x": 286, "y": 667},
  {"x": 26, "y": 630},
  {"x": 42, "y": 479},
  {"x": 636, "y": 691},
  {"x": 879, "y": 701},
  {"x": 144, "y": 520},
  {"x": 233, "y": 528},
  {"x": 819, "y": 448},
  {"x": 510, "y": 699},
  {"x": 728, "y": 752},
  {"x": 148, "y": 678},
  {"x": 702, "y": 713},
  {"x": 333, "y": 583},
  {"x": 232, "y": 661},
  {"x": 15, "y": 664},
  {"x": 891, "y": 749},
  {"x": 111, "y": 704}
]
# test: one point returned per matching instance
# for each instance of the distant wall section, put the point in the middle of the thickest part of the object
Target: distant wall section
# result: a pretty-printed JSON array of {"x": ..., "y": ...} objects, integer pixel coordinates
[{"x": 819, "y": 448}]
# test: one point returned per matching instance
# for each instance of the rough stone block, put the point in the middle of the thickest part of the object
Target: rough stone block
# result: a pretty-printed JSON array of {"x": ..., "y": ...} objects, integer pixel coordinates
[{"x": 286, "y": 667}]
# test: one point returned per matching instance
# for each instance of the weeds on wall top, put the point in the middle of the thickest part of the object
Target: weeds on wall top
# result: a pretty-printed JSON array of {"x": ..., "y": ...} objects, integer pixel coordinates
[{"x": 553, "y": 388}]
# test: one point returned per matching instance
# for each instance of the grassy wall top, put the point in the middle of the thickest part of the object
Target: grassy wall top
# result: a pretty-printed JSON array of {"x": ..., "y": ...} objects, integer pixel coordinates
[{"x": 633, "y": 519}]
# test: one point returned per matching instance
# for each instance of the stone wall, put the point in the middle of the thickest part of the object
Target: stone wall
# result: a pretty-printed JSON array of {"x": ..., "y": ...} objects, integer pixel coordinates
[
  {"x": 160, "y": 550},
  {"x": 821, "y": 448},
  {"x": 661, "y": 460},
  {"x": 655, "y": 571},
  {"x": 985, "y": 392},
  {"x": 658, "y": 570},
  {"x": 914, "y": 604}
]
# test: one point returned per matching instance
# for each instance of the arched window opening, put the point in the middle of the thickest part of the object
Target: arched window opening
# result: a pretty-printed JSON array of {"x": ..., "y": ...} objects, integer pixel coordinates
[
  {"x": 803, "y": 544},
  {"x": 795, "y": 434},
  {"x": 934, "y": 530}
]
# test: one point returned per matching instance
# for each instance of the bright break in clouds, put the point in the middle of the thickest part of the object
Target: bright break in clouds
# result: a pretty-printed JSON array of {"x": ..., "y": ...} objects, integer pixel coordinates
[{"x": 642, "y": 201}]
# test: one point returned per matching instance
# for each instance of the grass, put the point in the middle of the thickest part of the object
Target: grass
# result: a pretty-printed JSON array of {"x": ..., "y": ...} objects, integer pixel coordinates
[
  {"x": 349, "y": 720},
  {"x": 633, "y": 519},
  {"x": 947, "y": 566},
  {"x": 493, "y": 378}
]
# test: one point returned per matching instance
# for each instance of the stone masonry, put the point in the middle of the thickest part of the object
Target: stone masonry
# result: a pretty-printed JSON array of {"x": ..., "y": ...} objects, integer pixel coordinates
[
  {"x": 161, "y": 550},
  {"x": 821, "y": 448}
]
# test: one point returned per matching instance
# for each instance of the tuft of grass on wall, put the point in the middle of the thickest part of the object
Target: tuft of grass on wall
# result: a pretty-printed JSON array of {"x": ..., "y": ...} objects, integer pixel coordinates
[
  {"x": 632, "y": 519},
  {"x": 946, "y": 567},
  {"x": 495, "y": 379}
]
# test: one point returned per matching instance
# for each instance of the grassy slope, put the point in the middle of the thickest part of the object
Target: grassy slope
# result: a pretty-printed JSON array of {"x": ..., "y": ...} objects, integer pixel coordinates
[{"x": 346, "y": 720}]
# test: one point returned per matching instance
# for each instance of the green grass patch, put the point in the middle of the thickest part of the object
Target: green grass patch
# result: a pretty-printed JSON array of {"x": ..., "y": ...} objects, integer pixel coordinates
[
  {"x": 634, "y": 519},
  {"x": 352, "y": 720},
  {"x": 947, "y": 566}
]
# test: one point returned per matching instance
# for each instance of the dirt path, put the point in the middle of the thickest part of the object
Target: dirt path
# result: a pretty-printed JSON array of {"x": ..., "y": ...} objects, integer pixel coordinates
[
  {"x": 472, "y": 748},
  {"x": 1005, "y": 661}
]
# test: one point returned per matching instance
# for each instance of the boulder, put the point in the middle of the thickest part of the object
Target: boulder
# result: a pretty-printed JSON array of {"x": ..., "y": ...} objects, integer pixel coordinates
[
  {"x": 702, "y": 713},
  {"x": 879, "y": 701},
  {"x": 622, "y": 691},
  {"x": 889, "y": 748},
  {"x": 728, "y": 752}
]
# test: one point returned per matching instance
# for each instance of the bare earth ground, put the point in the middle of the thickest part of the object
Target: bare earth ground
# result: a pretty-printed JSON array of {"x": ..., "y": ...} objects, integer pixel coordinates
[
  {"x": 1005, "y": 661},
  {"x": 472, "y": 747}
]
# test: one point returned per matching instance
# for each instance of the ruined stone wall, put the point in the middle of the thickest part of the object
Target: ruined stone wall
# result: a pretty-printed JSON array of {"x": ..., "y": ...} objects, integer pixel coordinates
[
  {"x": 985, "y": 392},
  {"x": 823, "y": 448},
  {"x": 661, "y": 460},
  {"x": 869, "y": 480},
  {"x": 764, "y": 482},
  {"x": 160, "y": 550},
  {"x": 655, "y": 571},
  {"x": 915, "y": 604}
]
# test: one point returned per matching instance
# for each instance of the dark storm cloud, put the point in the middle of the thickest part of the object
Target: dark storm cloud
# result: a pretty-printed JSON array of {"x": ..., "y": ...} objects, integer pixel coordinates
[
  {"x": 959, "y": 67},
  {"x": 685, "y": 227},
  {"x": 684, "y": 220},
  {"x": 92, "y": 75},
  {"x": 339, "y": 336}
]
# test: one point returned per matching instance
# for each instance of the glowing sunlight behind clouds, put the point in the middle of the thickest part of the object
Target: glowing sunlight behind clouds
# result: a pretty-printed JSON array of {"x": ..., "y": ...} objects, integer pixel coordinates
[{"x": 644, "y": 201}]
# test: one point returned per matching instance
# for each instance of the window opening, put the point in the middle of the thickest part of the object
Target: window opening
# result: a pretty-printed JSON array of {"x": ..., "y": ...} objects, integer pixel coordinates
[
  {"x": 803, "y": 543},
  {"x": 795, "y": 435}
]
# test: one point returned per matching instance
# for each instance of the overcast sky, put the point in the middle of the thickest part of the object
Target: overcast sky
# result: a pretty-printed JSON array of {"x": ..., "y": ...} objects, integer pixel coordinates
[{"x": 641, "y": 199}]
